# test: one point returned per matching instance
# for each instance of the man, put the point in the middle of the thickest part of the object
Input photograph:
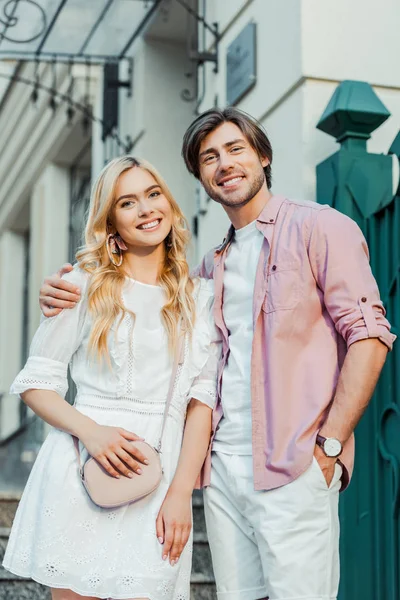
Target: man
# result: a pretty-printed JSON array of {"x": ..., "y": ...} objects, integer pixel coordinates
[{"x": 304, "y": 341}]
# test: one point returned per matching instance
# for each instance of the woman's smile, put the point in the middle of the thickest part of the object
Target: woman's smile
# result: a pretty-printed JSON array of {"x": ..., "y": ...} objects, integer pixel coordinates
[{"x": 150, "y": 225}]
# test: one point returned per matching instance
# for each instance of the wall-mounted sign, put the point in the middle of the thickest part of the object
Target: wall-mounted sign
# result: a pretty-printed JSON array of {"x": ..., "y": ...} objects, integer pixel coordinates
[{"x": 241, "y": 64}]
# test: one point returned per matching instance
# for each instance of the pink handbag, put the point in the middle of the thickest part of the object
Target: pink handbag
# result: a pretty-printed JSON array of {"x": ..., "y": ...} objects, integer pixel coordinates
[{"x": 109, "y": 492}]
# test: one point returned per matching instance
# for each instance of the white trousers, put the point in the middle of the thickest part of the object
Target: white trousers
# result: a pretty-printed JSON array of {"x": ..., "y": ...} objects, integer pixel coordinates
[{"x": 282, "y": 544}]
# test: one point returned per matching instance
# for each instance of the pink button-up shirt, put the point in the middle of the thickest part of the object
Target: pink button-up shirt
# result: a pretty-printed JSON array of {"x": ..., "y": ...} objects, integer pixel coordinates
[{"x": 314, "y": 296}]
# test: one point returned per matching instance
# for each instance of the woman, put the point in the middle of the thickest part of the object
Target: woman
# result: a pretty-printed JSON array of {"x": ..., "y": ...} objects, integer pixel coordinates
[{"x": 119, "y": 342}]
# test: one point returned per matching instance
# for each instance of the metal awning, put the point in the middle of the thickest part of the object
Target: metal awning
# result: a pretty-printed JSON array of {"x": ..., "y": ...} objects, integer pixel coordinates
[{"x": 87, "y": 30}]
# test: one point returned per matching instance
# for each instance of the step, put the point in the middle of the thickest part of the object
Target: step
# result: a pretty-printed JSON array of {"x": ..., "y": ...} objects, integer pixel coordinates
[
  {"x": 202, "y": 591},
  {"x": 8, "y": 506},
  {"x": 26, "y": 590},
  {"x": 202, "y": 566}
]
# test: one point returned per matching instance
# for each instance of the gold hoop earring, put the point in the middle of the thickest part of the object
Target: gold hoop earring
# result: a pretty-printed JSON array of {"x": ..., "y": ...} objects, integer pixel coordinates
[{"x": 114, "y": 248}]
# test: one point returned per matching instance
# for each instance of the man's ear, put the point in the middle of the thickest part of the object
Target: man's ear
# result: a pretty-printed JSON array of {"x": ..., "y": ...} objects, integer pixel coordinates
[{"x": 264, "y": 161}]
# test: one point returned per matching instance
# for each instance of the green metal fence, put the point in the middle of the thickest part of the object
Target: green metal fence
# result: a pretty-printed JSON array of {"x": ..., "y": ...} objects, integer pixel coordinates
[{"x": 360, "y": 184}]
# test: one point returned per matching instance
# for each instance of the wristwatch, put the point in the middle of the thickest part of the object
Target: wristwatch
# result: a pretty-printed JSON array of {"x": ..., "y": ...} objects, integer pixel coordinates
[{"x": 331, "y": 446}]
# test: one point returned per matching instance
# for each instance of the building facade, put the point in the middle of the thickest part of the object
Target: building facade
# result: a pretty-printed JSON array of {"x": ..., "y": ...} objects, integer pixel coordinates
[{"x": 130, "y": 78}]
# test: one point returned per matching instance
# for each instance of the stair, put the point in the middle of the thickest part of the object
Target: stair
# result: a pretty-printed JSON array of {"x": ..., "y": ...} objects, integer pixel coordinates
[
  {"x": 11, "y": 586},
  {"x": 202, "y": 579},
  {"x": 18, "y": 588}
]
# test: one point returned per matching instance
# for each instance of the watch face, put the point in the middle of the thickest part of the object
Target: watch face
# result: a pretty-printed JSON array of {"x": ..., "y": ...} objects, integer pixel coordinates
[{"x": 332, "y": 447}]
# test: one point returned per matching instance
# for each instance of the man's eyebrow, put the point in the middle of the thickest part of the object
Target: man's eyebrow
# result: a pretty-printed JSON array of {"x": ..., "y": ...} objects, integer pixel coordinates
[
  {"x": 233, "y": 142},
  {"x": 146, "y": 191},
  {"x": 208, "y": 151},
  {"x": 227, "y": 145}
]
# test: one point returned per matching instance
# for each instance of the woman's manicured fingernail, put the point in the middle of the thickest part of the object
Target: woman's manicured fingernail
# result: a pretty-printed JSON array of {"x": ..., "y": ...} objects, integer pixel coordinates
[
  {"x": 146, "y": 462},
  {"x": 130, "y": 475},
  {"x": 139, "y": 471},
  {"x": 164, "y": 557},
  {"x": 173, "y": 563},
  {"x": 160, "y": 539}
]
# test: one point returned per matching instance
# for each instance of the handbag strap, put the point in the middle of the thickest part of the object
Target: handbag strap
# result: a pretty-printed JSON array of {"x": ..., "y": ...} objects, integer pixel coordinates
[
  {"x": 178, "y": 360},
  {"x": 179, "y": 357}
]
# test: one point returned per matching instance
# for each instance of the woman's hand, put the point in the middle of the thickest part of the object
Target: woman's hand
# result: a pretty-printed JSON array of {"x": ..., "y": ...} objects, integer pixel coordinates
[
  {"x": 112, "y": 448},
  {"x": 174, "y": 524}
]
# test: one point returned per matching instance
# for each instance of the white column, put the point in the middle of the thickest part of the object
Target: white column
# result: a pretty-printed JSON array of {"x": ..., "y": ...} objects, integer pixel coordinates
[
  {"x": 50, "y": 202},
  {"x": 97, "y": 128},
  {"x": 12, "y": 270},
  {"x": 49, "y": 233}
]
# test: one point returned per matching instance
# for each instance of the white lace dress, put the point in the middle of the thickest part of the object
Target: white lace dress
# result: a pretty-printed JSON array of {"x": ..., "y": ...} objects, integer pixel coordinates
[{"x": 59, "y": 537}]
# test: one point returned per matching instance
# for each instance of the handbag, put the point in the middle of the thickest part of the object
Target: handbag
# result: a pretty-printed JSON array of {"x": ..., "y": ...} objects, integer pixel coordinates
[{"x": 109, "y": 492}]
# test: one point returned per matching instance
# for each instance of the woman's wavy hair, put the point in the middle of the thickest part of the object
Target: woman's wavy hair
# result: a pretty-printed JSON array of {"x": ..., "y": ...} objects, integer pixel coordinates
[{"x": 104, "y": 295}]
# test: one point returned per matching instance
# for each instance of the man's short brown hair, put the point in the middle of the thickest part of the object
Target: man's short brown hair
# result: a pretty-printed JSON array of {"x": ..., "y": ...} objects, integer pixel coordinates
[{"x": 210, "y": 120}]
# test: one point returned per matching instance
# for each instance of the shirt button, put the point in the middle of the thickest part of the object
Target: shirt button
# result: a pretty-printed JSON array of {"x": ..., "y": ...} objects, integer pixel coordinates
[
  {"x": 271, "y": 220},
  {"x": 363, "y": 299},
  {"x": 274, "y": 269}
]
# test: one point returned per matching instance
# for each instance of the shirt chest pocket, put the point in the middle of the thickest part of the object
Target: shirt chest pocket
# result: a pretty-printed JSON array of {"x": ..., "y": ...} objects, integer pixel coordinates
[{"x": 283, "y": 287}]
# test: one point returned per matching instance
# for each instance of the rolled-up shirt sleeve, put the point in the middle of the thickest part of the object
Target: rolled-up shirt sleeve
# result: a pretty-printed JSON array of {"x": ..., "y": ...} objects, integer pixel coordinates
[{"x": 339, "y": 259}]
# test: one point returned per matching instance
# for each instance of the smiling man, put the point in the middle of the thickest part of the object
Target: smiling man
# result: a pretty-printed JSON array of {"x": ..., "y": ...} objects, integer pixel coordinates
[{"x": 304, "y": 340}]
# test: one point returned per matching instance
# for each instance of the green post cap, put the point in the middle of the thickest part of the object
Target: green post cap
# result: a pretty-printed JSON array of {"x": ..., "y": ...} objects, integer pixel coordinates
[
  {"x": 354, "y": 111},
  {"x": 395, "y": 147}
]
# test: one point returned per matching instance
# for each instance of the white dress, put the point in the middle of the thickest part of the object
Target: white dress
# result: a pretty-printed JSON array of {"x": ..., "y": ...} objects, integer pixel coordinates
[{"x": 60, "y": 537}]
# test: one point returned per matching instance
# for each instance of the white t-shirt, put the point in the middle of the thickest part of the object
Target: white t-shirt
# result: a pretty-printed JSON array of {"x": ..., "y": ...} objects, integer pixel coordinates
[{"x": 234, "y": 434}]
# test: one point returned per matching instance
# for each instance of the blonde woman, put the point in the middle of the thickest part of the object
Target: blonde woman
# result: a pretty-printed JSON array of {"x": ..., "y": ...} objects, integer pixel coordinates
[{"x": 119, "y": 343}]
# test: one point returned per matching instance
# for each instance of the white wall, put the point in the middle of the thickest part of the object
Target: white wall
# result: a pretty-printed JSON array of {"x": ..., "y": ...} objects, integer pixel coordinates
[
  {"x": 160, "y": 116},
  {"x": 357, "y": 39},
  {"x": 278, "y": 52}
]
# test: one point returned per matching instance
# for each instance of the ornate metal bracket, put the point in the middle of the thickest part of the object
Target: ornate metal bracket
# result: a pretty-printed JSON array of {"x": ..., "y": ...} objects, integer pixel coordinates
[
  {"x": 126, "y": 83},
  {"x": 201, "y": 57},
  {"x": 9, "y": 19}
]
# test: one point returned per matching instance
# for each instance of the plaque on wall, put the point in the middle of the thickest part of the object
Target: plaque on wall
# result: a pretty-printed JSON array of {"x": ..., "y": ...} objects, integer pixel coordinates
[{"x": 241, "y": 64}]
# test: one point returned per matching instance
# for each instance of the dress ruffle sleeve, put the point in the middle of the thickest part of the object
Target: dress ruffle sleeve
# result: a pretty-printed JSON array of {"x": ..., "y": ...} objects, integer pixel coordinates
[
  {"x": 205, "y": 348},
  {"x": 53, "y": 345}
]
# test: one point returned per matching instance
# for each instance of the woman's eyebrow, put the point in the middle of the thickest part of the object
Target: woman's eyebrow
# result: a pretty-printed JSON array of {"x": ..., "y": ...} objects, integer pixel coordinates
[
  {"x": 126, "y": 196},
  {"x": 146, "y": 191},
  {"x": 152, "y": 187}
]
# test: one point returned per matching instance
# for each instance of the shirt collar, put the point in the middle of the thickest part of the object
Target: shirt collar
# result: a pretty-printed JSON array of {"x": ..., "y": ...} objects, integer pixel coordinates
[
  {"x": 270, "y": 211},
  {"x": 268, "y": 216}
]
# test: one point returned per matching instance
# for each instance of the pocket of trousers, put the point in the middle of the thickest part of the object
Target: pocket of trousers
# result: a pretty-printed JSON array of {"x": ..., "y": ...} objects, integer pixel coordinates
[{"x": 336, "y": 476}]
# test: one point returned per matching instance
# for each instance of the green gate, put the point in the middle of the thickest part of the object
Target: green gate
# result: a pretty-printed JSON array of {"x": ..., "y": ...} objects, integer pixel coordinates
[{"x": 360, "y": 184}]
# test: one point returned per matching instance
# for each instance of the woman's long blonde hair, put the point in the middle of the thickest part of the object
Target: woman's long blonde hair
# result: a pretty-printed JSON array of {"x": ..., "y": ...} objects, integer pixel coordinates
[{"x": 104, "y": 294}]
